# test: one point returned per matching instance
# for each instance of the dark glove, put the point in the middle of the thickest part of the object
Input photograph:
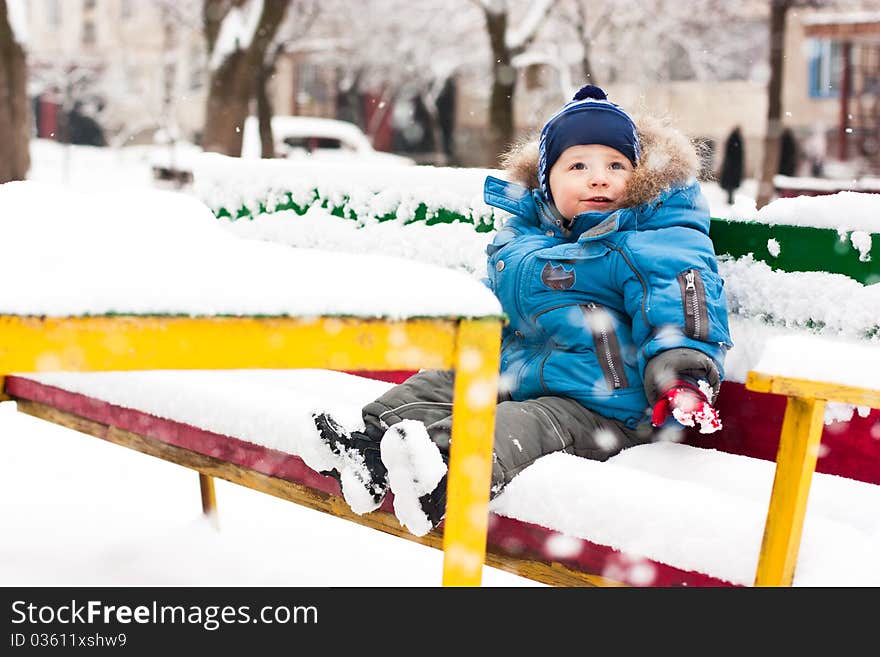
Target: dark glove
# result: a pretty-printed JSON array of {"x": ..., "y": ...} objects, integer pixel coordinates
[{"x": 688, "y": 405}]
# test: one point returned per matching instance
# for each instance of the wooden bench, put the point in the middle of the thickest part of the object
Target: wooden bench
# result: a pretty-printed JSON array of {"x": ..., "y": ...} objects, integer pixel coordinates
[
  {"x": 35, "y": 343},
  {"x": 521, "y": 545},
  {"x": 801, "y": 435}
]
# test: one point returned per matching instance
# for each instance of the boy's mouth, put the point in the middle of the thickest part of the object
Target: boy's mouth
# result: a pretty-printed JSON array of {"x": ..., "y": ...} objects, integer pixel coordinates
[{"x": 598, "y": 199}]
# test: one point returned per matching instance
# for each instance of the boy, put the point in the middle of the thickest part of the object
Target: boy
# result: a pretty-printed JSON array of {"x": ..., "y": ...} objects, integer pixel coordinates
[{"x": 617, "y": 315}]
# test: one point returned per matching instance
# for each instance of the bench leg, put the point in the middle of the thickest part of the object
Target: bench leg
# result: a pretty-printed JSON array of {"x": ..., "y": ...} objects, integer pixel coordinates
[
  {"x": 795, "y": 464},
  {"x": 470, "y": 457},
  {"x": 209, "y": 497}
]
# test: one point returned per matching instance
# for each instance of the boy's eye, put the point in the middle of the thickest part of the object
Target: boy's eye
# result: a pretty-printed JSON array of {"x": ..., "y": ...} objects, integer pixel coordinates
[
  {"x": 617, "y": 165},
  {"x": 579, "y": 166}
]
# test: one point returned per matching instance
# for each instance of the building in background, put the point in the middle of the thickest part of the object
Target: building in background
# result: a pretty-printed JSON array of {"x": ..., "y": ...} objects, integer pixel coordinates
[
  {"x": 832, "y": 91},
  {"x": 131, "y": 71},
  {"x": 132, "y": 67}
]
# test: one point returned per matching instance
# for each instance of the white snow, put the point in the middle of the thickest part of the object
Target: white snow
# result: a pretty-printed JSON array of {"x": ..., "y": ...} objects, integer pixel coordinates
[
  {"x": 843, "y": 211},
  {"x": 236, "y": 31},
  {"x": 78, "y": 511},
  {"x": 371, "y": 192},
  {"x": 415, "y": 467},
  {"x": 829, "y": 304},
  {"x": 820, "y": 359},
  {"x": 16, "y": 14},
  {"x": 143, "y": 252},
  {"x": 697, "y": 509},
  {"x": 863, "y": 242}
]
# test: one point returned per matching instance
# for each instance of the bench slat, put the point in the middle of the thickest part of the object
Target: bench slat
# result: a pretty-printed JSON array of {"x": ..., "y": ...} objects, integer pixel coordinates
[
  {"x": 30, "y": 343},
  {"x": 792, "y": 387}
]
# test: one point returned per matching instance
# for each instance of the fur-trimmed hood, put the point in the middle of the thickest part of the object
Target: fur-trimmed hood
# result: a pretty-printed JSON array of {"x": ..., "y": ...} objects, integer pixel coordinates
[{"x": 668, "y": 159}]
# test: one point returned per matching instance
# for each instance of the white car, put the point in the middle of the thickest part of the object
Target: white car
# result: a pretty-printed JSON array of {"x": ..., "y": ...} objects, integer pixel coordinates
[{"x": 311, "y": 137}]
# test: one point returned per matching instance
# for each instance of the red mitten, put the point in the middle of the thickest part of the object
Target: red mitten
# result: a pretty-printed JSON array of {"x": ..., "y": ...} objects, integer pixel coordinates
[{"x": 688, "y": 405}]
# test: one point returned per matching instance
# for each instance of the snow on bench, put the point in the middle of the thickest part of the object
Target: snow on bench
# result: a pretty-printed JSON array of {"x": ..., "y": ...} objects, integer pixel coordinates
[
  {"x": 814, "y": 358},
  {"x": 664, "y": 504},
  {"x": 163, "y": 253},
  {"x": 285, "y": 201},
  {"x": 149, "y": 280}
]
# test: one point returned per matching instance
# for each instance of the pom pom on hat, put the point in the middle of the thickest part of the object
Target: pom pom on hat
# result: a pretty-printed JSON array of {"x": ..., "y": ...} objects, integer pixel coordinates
[
  {"x": 588, "y": 118},
  {"x": 590, "y": 91}
]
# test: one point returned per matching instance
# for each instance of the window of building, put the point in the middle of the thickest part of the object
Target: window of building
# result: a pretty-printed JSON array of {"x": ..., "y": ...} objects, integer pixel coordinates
[
  {"x": 826, "y": 66},
  {"x": 53, "y": 13},
  {"x": 88, "y": 33}
]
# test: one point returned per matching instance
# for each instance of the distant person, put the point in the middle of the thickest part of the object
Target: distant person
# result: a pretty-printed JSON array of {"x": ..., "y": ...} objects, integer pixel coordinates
[
  {"x": 788, "y": 153},
  {"x": 815, "y": 150},
  {"x": 618, "y": 319},
  {"x": 732, "y": 166},
  {"x": 82, "y": 129}
]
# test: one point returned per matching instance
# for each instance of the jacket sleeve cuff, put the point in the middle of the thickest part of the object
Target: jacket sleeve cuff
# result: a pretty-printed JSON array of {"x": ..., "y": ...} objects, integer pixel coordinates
[{"x": 679, "y": 364}]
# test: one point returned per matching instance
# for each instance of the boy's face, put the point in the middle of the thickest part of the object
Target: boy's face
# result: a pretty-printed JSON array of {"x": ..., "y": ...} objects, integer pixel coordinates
[{"x": 589, "y": 178}]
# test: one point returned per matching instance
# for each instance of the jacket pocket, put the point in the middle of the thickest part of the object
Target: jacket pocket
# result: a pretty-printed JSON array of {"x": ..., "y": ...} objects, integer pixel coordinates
[
  {"x": 693, "y": 299},
  {"x": 606, "y": 345}
]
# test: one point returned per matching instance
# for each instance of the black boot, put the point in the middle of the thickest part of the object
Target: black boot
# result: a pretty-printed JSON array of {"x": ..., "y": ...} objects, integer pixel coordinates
[
  {"x": 434, "y": 503},
  {"x": 361, "y": 473}
]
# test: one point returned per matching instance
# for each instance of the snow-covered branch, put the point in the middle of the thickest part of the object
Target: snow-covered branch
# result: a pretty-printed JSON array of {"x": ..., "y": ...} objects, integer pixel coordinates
[
  {"x": 236, "y": 31},
  {"x": 16, "y": 14},
  {"x": 518, "y": 39}
]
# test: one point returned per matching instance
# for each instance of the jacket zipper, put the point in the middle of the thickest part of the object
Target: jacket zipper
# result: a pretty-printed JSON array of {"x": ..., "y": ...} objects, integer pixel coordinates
[
  {"x": 695, "y": 317},
  {"x": 614, "y": 376},
  {"x": 691, "y": 287}
]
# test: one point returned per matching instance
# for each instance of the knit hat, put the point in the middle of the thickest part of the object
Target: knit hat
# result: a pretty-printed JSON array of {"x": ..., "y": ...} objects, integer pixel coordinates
[{"x": 589, "y": 118}]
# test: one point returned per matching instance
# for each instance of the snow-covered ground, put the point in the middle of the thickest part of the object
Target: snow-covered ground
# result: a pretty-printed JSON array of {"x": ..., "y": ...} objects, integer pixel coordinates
[{"x": 103, "y": 533}]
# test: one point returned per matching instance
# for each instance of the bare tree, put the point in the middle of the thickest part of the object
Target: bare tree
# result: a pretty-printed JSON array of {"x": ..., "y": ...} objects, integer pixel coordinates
[
  {"x": 368, "y": 60},
  {"x": 588, "y": 31},
  {"x": 299, "y": 21},
  {"x": 238, "y": 34},
  {"x": 14, "y": 109},
  {"x": 506, "y": 43},
  {"x": 770, "y": 162},
  {"x": 770, "y": 159}
]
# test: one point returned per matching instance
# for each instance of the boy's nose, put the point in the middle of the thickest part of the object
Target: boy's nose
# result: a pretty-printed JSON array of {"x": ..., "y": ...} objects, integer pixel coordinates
[{"x": 598, "y": 180}]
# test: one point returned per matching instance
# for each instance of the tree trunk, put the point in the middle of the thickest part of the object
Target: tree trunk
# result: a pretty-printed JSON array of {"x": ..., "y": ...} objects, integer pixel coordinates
[
  {"x": 586, "y": 43},
  {"x": 264, "y": 111},
  {"x": 770, "y": 164},
  {"x": 232, "y": 83},
  {"x": 433, "y": 116},
  {"x": 14, "y": 108},
  {"x": 501, "y": 124}
]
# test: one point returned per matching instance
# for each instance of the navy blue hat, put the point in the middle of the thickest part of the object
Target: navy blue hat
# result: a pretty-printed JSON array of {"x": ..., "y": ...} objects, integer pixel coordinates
[{"x": 589, "y": 118}]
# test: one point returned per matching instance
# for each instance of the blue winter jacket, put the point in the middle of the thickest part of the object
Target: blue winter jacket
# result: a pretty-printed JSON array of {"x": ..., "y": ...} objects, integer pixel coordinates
[{"x": 589, "y": 307}]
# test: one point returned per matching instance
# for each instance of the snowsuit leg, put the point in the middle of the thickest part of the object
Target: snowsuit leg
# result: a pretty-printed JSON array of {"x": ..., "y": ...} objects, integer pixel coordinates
[{"x": 524, "y": 430}]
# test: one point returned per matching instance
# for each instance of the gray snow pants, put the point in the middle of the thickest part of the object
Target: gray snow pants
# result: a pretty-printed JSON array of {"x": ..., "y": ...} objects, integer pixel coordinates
[{"x": 524, "y": 431}]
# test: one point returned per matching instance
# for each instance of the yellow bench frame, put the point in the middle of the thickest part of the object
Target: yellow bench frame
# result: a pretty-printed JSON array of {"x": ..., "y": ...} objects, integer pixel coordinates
[
  {"x": 469, "y": 346},
  {"x": 795, "y": 463}
]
